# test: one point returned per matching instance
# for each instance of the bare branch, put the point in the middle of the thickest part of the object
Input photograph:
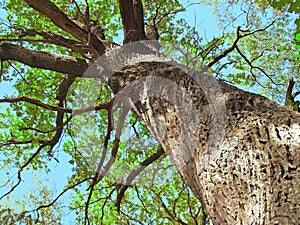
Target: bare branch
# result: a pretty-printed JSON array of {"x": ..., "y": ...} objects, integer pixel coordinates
[
  {"x": 134, "y": 173},
  {"x": 37, "y": 103},
  {"x": 169, "y": 213},
  {"x": 63, "y": 192},
  {"x": 254, "y": 67},
  {"x": 227, "y": 51},
  {"x": 22, "y": 168},
  {"x": 234, "y": 44}
]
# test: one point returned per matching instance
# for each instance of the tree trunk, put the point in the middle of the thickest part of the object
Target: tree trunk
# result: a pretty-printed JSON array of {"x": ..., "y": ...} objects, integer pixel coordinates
[{"x": 237, "y": 151}]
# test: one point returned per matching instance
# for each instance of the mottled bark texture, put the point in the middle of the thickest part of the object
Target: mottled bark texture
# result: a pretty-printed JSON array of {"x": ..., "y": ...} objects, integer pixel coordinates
[{"x": 248, "y": 174}]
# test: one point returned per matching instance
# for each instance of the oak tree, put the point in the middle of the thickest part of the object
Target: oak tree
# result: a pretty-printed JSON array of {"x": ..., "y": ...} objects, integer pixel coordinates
[{"x": 114, "y": 112}]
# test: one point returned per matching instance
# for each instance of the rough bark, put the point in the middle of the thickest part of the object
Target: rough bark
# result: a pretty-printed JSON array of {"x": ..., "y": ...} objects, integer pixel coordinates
[
  {"x": 250, "y": 174},
  {"x": 129, "y": 26},
  {"x": 43, "y": 60},
  {"x": 133, "y": 20}
]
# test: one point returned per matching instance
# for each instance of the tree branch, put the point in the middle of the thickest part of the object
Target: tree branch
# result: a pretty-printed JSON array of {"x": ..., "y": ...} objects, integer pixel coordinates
[
  {"x": 131, "y": 33},
  {"x": 32, "y": 157},
  {"x": 63, "y": 192},
  {"x": 75, "y": 28},
  {"x": 105, "y": 105},
  {"x": 234, "y": 44},
  {"x": 16, "y": 142},
  {"x": 55, "y": 39},
  {"x": 120, "y": 124},
  {"x": 49, "y": 61},
  {"x": 59, "y": 18},
  {"x": 37, "y": 103},
  {"x": 253, "y": 67},
  {"x": 289, "y": 91},
  {"x": 139, "y": 18},
  {"x": 134, "y": 173},
  {"x": 227, "y": 51},
  {"x": 169, "y": 213}
]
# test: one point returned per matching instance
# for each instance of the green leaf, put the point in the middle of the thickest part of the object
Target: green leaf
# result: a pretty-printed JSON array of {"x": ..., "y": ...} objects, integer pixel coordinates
[{"x": 283, "y": 47}]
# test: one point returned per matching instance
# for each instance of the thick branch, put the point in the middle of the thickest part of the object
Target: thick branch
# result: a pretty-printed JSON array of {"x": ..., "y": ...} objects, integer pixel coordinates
[
  {"x": 139, "y": 18},
  {"x": 62, "y": 20},
  {"x": 127, "y": 13},
  {"x": 61, "y": 97},
  {"x": 59, "y": 18},
  {"x": 43, "y": 60}
]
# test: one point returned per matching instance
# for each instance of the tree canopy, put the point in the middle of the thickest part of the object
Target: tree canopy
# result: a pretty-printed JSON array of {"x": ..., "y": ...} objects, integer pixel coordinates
[{"x": 58, "y": 128}]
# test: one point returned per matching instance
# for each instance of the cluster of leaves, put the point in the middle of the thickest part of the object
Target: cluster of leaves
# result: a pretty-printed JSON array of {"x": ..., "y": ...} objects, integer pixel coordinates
[
  {"x": 290, "y": 6},
  {"x": 15, "y": 210},
  {"x": 268, "y": 58}
]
